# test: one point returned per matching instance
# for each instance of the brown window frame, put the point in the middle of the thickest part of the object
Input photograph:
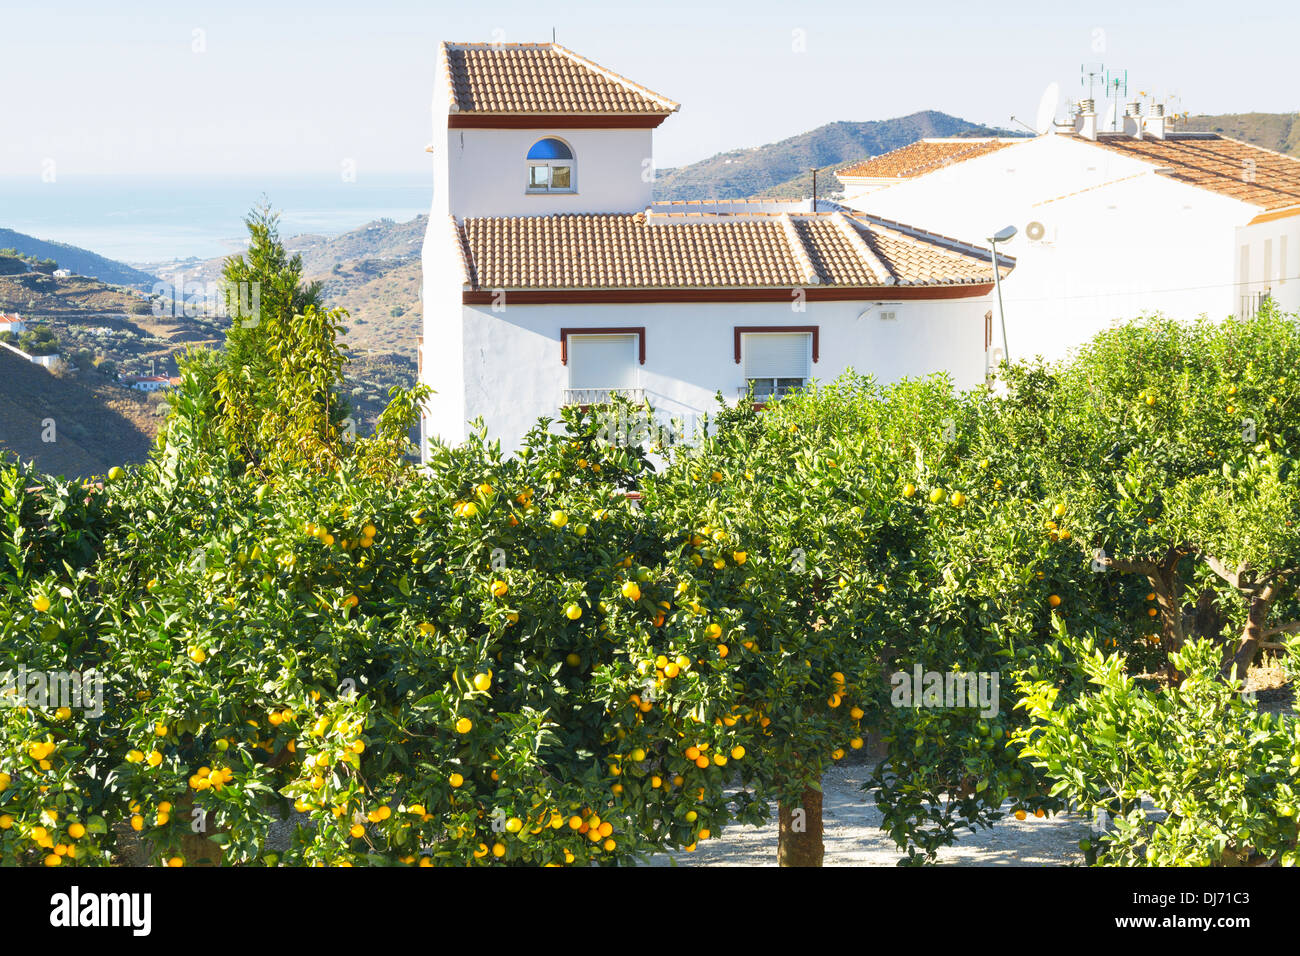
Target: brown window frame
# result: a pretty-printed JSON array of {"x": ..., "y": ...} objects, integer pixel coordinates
[
  {"x": 741, "y": 330},
  {"x": 637, "y": 330}
]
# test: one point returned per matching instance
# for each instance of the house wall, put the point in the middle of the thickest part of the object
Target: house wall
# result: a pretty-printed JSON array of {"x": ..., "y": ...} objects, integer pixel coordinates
[
  {"x": 512, "y": 373},
  {"x": 483, "y": 172},
  {"x": 612, "y": 170},
  {"x": 1120, "y": 239},
  {"x": 1273, "y": 262},
  {"x": 442, "y": 331},
  {"x": 45, "y": 361}
]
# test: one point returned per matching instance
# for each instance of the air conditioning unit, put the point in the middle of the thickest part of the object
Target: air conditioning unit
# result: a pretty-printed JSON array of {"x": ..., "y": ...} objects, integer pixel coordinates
[{"x": 1040, "y": 232}]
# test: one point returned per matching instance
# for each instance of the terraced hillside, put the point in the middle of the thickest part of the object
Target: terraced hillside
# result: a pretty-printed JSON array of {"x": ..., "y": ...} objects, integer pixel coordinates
[{"x": 94, "y": 423}]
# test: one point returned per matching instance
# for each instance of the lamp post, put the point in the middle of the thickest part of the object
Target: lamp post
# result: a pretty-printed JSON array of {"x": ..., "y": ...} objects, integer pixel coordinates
[{"x": 1002, "y": 235}]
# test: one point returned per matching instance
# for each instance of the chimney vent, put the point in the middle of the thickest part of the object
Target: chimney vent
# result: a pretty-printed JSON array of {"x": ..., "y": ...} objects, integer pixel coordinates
[
  {"x": 1085, "y": 122},
  {"x": 1133, "y": 120},
  {"x": 1157, "y": 124}
]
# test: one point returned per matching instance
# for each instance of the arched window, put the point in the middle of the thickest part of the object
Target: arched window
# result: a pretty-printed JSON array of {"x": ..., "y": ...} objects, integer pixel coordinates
[{"x": 551, "y": 167}]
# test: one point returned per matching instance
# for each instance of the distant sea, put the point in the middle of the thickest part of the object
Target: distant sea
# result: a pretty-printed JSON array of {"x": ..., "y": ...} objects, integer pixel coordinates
[{"x": 141, "y": 220}]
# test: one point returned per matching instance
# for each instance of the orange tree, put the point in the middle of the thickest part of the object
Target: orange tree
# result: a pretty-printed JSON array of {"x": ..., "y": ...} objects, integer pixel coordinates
[
  {"x": 971, "y": 606},
  {"x": 491, "y": 660},
  {"x": 474, "y": 665},
  {"x": 1171, "y": 450},
  {"x": 889, "y": 530},
  {"x": 1122, "y": 460},
  {"x": 500, "y": 659},
  {"x": 777, "y": 518},
  {"x": 870, "y": 546}
]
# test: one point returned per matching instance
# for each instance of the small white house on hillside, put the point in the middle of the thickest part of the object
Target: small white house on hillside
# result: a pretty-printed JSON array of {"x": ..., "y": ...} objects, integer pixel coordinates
[
  {"x": 1111, "y": 224},
  {"x": 550, "y": 277},
  {"x": 12, "y": 322},
  {"x": 148, "y": 383}
]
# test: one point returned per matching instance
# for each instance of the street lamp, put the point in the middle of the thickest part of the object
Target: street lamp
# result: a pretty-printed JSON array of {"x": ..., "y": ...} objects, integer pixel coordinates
[{"x": 1002, "y": 235}]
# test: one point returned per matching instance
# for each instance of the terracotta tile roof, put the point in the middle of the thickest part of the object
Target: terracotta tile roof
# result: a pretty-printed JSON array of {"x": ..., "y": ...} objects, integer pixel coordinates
[
  {"x": 921, "y": 157},
  {"x": 914, "y": 258},
  {"x": 466, "y": 273},
  {"x": 1230, "y": 167},
  {"x": 539, "y": 78},
  {"x": 719, "y": 252}
]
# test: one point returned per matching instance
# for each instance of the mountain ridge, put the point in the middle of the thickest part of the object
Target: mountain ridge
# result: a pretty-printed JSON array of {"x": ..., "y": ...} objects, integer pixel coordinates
[
  {"x": 1276, "y": 131},
  {"x": 81, "y": 261},
  {"x": 783, "y": 165}
]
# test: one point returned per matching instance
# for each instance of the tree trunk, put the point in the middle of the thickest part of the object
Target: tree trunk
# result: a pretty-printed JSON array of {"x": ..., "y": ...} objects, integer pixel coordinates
[
  {"x": 196, "y": 848},
  {"x": 1251, "y": 635},
  {"x": 800, "y": 842},
  {"x": 1209, "y": 617},
  {"x": 1168, "y": 587}
]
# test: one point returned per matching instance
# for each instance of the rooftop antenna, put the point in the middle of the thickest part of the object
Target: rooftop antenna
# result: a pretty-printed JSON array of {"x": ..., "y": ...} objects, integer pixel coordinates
[
  {"x": 1089, "y": 73},
  {"x": 1116, "y": 90},
  {"x": 552, "y": 34}
]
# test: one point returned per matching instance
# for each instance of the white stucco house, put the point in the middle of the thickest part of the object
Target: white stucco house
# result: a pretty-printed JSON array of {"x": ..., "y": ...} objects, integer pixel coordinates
[
  {"x": 1111, "y": 224},
  {"x": 148, "y": 383},
  {"x": 551, "y": 278},
  {"x": 12, "y": 322}
]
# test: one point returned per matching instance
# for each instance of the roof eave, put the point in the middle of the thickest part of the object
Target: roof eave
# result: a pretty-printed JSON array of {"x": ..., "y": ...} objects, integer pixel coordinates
[{"x": 950, "y": 289}]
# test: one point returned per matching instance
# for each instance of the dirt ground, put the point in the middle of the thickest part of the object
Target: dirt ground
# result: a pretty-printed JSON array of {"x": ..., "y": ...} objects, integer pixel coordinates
[{"x": 853, "y": 836}]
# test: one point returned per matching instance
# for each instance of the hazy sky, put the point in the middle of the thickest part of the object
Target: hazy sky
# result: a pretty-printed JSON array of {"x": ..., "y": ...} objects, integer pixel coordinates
[{"x": 281, "y": 86}]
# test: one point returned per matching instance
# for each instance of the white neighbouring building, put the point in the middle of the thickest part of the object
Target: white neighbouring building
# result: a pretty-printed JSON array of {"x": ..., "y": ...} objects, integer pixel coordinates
[
  {"x": 1111, "y": 224},
  {"x": 551, "y": 278},
  {"x": 149, "y": 383}
]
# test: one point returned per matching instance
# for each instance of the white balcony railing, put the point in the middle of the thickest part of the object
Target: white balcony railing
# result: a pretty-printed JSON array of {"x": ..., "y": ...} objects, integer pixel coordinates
[
  {"x": 600, "y": 396},
  {"x": 766, "y": 389}
]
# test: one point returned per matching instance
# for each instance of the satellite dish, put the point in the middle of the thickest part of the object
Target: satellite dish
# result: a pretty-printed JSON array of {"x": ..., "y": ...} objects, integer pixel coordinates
[
  {"x": 1048, "y": 107},
  {"x": 1035, "y": 230}
]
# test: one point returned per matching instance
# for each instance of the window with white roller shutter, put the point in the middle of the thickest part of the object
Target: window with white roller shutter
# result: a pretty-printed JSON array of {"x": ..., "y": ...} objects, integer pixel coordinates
[
  {"x": 776, "y": 362},
  {"x": 601, "y": 366}
]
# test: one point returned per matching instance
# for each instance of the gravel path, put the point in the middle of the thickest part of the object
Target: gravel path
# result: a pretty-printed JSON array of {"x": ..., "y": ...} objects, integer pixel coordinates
[{"x": 853, "y": 836}]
